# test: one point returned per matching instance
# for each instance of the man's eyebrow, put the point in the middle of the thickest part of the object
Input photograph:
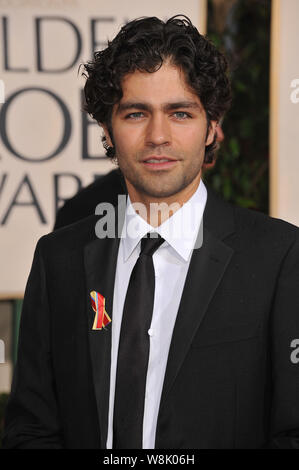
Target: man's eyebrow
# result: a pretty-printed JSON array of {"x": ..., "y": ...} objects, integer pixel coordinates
[
  {"x": 182, "y": 104},
  {"x": 133, "y": 105},
  {"x": 166, "y": 106}
]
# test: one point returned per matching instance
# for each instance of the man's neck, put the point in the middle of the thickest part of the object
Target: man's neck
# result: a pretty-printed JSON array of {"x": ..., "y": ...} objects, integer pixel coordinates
[{"x": 155, "y": 210}]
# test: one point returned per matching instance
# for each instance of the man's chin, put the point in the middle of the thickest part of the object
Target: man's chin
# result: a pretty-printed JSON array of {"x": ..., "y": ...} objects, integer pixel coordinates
[
  {"x": 159, "y": 192},
  {"x": 158, "y": 188}
]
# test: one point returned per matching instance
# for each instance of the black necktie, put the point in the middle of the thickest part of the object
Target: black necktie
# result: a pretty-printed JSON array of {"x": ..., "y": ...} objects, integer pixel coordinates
[{"x": 133, "y": 351}]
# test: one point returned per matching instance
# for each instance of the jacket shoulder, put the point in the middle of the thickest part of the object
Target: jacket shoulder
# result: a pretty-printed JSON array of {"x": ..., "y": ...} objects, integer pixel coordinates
[
  {"x": 259, "y": 233},
  {"x": 247, "y": 219},
  {"x": 104, "y": 189},
  {"x": 70, "y": 238}
]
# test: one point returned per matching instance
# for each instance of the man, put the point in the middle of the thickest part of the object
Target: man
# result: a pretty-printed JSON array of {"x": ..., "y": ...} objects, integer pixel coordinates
[{"x": 183, "y": 340}]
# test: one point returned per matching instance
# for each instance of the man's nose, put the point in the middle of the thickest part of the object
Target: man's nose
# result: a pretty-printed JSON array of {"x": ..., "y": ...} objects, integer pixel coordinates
[{"x": 158, "y": 130}]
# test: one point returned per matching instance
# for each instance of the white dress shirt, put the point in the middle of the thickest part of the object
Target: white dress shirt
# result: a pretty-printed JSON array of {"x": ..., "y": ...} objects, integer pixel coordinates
[{"x": 171, "y": 262}]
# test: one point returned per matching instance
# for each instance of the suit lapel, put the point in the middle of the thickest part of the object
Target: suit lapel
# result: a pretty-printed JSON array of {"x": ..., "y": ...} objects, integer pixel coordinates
[
  {"x": 207, "y": 267},
  {"x": 100, "y": 259}
]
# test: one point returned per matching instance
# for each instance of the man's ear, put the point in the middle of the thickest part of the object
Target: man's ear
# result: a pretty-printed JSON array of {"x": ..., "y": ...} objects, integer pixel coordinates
[
  {"x": 107, "y": 135},
  {"x": 211, "y": 132}
]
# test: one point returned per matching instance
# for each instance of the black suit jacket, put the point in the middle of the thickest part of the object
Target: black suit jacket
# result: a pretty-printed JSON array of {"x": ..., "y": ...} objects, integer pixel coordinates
[
  {"x": 105, "y": 188},
  {"x": 230, "y": 381}
]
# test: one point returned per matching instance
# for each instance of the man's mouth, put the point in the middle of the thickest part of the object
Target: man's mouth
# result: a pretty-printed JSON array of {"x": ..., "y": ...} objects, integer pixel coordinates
[{"x": 159, "y": 162}]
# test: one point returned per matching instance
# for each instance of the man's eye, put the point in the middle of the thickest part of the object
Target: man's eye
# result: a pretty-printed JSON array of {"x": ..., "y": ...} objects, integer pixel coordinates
[
  {"x": 136, "y": 115},
  {"x": 182, "y": 115}
]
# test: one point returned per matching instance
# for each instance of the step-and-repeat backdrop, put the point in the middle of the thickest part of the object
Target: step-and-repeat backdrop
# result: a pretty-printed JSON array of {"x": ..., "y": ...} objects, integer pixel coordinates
[{"x": 49, "y": 148}]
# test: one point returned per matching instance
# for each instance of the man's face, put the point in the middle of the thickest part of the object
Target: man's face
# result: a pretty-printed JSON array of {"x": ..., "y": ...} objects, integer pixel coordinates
[{"x": 159, "y": 117}]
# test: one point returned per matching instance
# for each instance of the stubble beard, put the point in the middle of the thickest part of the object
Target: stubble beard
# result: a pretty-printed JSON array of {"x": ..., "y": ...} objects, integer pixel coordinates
[{"x": 162, "y": 183}]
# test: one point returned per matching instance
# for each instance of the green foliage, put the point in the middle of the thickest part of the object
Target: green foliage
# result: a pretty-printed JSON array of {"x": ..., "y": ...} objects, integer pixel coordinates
[{"x": 242, "y": 168}]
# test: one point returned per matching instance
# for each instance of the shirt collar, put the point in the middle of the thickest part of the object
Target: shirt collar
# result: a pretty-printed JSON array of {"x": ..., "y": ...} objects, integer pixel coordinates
[{"x": 179, "y": 231}]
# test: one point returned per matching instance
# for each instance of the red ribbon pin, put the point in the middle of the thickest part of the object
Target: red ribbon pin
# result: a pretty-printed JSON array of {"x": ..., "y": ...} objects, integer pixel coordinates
[{"x": 101, "y": 318}]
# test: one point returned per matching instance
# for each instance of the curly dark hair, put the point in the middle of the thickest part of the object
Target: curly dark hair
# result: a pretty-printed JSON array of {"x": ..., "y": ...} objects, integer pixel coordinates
[{"x": 144, "y": 44}]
